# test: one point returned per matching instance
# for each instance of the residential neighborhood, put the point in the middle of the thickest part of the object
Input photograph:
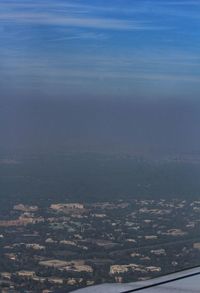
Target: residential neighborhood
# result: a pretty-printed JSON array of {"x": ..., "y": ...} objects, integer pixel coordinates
[{"x": 72, "y": 245}]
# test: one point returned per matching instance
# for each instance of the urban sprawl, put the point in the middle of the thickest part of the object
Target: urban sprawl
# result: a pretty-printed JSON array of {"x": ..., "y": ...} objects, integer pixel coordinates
[{"x": 67, "y": 246}]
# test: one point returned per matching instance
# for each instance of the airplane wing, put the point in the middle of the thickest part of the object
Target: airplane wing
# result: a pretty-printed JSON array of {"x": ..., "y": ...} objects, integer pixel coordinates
[{"x": 185, "y": 281}]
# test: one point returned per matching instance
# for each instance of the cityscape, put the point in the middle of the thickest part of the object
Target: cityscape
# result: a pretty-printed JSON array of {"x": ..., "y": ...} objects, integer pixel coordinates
[
  {"x": 99, "y": 146},
  {"x": 67, "y": 246}
]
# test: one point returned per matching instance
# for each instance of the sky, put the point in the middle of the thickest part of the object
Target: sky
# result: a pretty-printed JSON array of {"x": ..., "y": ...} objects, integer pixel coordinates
[
  {"x": 113, "y": 57},
  {"x": 126, "y": 48}
]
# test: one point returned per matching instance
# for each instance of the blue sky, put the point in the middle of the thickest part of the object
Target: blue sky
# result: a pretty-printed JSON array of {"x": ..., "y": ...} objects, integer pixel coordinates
[{"x": 115, "y": 48}]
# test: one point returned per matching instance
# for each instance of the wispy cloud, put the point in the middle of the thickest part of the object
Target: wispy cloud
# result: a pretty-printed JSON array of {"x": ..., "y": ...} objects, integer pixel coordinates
[
  {"x": 48, "y": 19},
  {"x": 75, "y": 15},
  {"x": 120, "y": 44},
  {"x": 176, "y": 68},
  {"x": 179, "y": 3},
  {"x": 176, "y": 9}
]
